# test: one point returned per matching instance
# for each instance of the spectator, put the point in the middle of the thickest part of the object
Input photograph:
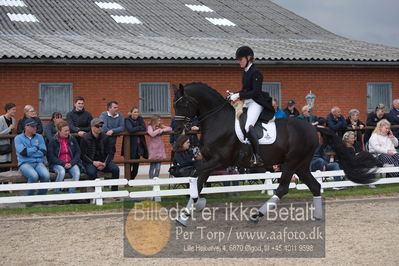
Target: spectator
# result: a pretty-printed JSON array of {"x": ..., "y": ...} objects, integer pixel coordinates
[
  {"x": 97, "y": 152},
  {"x": 336, "y": 122},
  {"x": 312, "y": 119},
  {"x": 290, "y": 110},
  {"x": 113, "y": 121},
  {"x": 156, "y": 148},
  {"x": 354, "y": 122},
  {"x": 50, "y": 129},
  {"x": 194, "y": 126},
  {"x": 349, "y": 140},
  {"x": 31, "y": 152},
  {"x": 7, "y": 125},
  {"x": 79, "y": 119},
  {"x": 29, "y": 112},
  {"x": 184, "y": 159},
  {"x": 279, "y": 113},
  {"x": 394, "y": 117},
  {"x": 138, "y": 146},
  {"x": 373, "y": 118},
  {"x": 64, "y": 154},
  {"x": 321, "y": 161},
  {"x": 382, "y": 144}
]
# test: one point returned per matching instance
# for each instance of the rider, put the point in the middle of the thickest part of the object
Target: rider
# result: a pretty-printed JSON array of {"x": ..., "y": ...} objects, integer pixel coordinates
[{"x": 255, "y": 99}]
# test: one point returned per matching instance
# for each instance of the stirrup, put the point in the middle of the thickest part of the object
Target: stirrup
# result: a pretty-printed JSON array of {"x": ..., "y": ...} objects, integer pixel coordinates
[{"x": 254, "y": 162}]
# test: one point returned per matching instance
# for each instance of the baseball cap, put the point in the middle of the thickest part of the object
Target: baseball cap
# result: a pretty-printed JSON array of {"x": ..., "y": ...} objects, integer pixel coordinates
[
  {"x": 291, "y": 102},
  {"x": 96, "y": 121},
  {"x": 30, "y": 122}
]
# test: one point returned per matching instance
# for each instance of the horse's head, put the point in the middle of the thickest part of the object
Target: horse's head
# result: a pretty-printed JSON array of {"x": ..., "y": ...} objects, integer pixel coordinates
[{"x": 186, "y": 108}]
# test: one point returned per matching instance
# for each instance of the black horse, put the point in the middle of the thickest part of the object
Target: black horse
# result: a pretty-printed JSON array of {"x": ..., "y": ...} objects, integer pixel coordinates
[{"x": 294, "y": 146}]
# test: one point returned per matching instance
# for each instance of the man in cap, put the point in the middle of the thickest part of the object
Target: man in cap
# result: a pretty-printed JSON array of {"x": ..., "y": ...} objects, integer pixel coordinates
[
  {"x": 31, "y": 152},
  {"x": 290, "y": 110},
  {"x": 98, "y": 151}
]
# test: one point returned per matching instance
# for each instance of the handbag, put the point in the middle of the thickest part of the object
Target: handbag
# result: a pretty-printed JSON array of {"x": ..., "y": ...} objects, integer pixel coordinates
[{"x": 5, "y": 149}]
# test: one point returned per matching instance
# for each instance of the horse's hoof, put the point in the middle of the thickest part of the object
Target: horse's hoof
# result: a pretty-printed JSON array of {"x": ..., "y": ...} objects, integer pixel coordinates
[
  {"x": 254, "y": 219},
  {"x": 182, "y": 221},
  {"x": 200, "y": 204}
]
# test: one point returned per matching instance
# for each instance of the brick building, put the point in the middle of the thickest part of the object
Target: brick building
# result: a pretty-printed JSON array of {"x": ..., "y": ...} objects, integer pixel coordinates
[{"x": 131, "y": 52}]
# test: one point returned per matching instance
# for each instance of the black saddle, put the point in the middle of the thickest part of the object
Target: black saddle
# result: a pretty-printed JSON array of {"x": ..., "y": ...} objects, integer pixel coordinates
[{"x": 258, "y": 125}]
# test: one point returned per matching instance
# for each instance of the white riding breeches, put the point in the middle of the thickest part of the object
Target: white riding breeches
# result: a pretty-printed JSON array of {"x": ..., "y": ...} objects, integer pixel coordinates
[{"x": 254, "y": 110}]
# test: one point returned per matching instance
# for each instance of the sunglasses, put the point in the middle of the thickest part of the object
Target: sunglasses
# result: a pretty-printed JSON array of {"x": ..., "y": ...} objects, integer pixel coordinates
[{"x": 98, "y": 126}]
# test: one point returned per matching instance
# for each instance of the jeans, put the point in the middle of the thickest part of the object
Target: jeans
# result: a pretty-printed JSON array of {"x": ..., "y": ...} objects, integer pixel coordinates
[
  {"x": 154, "y": 170},
  {"x": 322, "y": 165},
  {"x": 91, "y": 171},
  {"x": 74, "y": 171},
  {"x": 34, "y": 172}
]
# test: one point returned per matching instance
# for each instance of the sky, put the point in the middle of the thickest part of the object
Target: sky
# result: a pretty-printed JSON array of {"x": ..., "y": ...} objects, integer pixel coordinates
[{"x": 375, "y": 21}]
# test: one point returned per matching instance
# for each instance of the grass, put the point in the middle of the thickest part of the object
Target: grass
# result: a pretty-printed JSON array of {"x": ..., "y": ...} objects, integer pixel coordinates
[{"x": 211, "y": 198}]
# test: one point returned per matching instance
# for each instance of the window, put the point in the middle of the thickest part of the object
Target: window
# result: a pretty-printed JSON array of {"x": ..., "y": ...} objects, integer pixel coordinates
[
  {"x": 274, "y": 90},
  {"x": 55, "y": 97},
  {"x": 154, "y": 98},
  {"x": 379, "y": 92}
]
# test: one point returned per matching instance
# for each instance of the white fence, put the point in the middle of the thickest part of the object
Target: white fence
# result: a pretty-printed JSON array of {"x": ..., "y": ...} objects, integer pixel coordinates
[{"x": 263, "y": 182}]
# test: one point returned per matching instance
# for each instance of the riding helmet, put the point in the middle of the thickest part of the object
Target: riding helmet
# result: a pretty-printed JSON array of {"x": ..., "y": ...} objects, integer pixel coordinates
[{"x": 244, "y": 51}]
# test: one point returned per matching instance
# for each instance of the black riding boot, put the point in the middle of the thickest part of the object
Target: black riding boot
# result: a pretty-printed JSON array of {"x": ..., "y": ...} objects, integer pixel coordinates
[{"x": 256, "y": 160}]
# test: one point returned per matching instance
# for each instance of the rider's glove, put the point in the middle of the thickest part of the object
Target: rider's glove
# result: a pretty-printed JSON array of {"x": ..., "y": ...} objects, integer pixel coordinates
[{"x": 234, "y": 97}]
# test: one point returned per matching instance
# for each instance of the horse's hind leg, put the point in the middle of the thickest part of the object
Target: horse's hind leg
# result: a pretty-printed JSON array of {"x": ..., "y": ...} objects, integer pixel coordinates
[{"x": 307, "y": 178}]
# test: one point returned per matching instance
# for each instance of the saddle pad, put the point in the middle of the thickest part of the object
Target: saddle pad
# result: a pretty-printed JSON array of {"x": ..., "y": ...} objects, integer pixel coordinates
[{"x": 269, "y": 133}]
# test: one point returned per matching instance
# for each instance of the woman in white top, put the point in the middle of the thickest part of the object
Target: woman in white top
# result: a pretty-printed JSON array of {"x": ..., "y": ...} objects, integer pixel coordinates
[{"x": 382, "y": 144}]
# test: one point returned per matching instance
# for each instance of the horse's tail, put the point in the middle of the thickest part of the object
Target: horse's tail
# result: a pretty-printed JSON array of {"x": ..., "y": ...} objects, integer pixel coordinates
[{"x": 359, "y": 169}]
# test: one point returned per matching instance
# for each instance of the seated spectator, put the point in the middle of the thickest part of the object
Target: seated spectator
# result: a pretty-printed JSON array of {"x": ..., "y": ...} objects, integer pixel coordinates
[
  {"x": 290, "y": 110},
  {"x": 138, "y": 146},
  {"x": 29, "y": 112},
  {"x": 336, "y": 122},
  {"x": 97, "y": 152},
  {"x": 50, "y": 129},
  {"x": 382, "y": 144},
  {"x": 79, "y": 119},
  {"x": 321, "y": 161},
  {"x": 394, "y": 117},
  {"x": 372, "y": 120},
  {"x": 354, "y": 122},
  {"x": 113, "y": 121},
  {"x": 279, "y": 113},
  {"x": 184, "y": 158},
  {"x": 349, "y": 140},
  {"x": 7, "y": 125},
  {"x": 308, "y": 117},
  {"x": 156, "y": 148},
  {"x": 31, "y": 152},
  {"x": 64, "y": 154}
]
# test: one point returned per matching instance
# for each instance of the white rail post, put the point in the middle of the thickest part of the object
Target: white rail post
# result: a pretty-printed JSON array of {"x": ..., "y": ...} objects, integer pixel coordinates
[
  {"x": 98, "y": 190},
  {"x": 156, "y": 188},
  {"x": 268, "y": 181}
]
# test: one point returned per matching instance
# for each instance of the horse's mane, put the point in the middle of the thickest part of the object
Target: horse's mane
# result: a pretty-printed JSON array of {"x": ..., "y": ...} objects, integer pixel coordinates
[{"x": 204, "y": 86}]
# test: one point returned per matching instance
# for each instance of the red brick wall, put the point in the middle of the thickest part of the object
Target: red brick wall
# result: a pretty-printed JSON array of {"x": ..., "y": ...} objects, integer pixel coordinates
[{"x": 341, "y": 86}]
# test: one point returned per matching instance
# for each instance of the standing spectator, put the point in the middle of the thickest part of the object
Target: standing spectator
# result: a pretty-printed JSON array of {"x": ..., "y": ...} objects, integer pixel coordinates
[
  {"x": 354, "y": 122},
  {"x": 50, "y": 129},
  {"x": 113, "y": 121},
  {"x": 31, "y": 152},
  {"x": 373, "y": 118},
  {"x": 394, "y": 117},
  {"x": 138, "y": 146},
  {"x": 29, "y": 112},
  {"x": 7, "y": 125},
  {"x": 156, "y": 147},
  {"x": 79, "y": 119},
  {"x": 382, "y": 144},
  {"x": 279, "y": 113},
  {"x": 97, "y": 152},
  {"x": 312, "y": 119},
  {"x": 336, "y": 122},
  {"x": 290, "y": 110},
  {"x": 64, "y": 154}
]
